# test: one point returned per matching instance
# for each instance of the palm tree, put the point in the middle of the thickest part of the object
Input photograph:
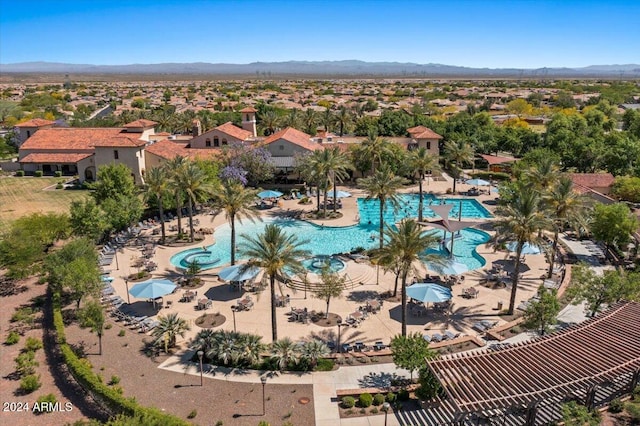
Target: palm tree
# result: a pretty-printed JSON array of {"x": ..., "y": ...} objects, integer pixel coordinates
[
  {"x": 313, "y": 351},
  {"x": 269, "y": 122},
  {"x": 457, "y": 154},
  {"x": 422, "y": 162},
  {"x": 225, "y": 347},
  {"x": 520, "y": 221},
  {"x": 252, "y": 348},
  {"x": 194, "y": 182},
  {"x": 544, "y": 174},
  {"x": 564, "y": 208},
  {"x": 274, "y": 250},
  {"x": 328, "y": 119},
  {"x": 157, "y": 184},
  {"x": 311, "y": 167},
  {"x": 406, "y": 245},
  {"x": 292, "y": 119},
  {"x": 374, "y": 147},
  {"x": 310, "y": 121},
  {"x": 284, "y": 352},
  {"x": 383, "y": 185},
  {"x": 332, "y": 165},
  {"x": 169, "y": 329},
  {"x": 236, "y": 201},
  {"x": 174, "y": 170},
  {"x": 343, "y": 118},
  {"x": 204, "y": 340}
]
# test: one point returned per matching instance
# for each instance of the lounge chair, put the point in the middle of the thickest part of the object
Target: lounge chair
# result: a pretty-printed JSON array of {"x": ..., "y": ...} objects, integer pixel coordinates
[
  {"x": 437, "y": 337},
  {"x": 427, "y": 338},
  {"x": 379, "y": 345},
  {"x": 448, "y": 335}
]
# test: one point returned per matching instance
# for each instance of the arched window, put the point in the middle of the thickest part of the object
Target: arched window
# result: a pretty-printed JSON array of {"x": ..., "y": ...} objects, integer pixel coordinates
[
  {"x": 207, "y": 143},
  {"x": 216, "y": 141},
  {"x": 224, "y": 141}
]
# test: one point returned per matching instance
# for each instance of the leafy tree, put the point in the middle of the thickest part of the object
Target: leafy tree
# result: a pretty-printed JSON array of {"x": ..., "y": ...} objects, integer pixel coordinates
[
  {"x": 309, "y": 121},
  {"x": 613, "y": 224},
  {"x": 544, "y": 174},
  {"x": 236, "y": 201},
  {"x": 274, "y": 250},
  {"x": 521, "y": 221},
  {"x": 542, "y": 313},
  {"x": 122, "y": 211},
  {"x": 407, "y": 244},
  {"x": 606, "y": 289},
  {"x": 519, "y": 107},
  {"x": 92, "y": 315},
  {"x": 394, "y": 122},
  {"x": 429, "y": 384},
  {"x": 410, "y": 352},
  {"x": 574, "y": 414},
  {"x": 170, "y": 327},
  {"x": 87, "y": 219},
  {"x": 627, "y": 188},
  {"x": 331, "y": 285},
  {"x": 113, "y": 180},
  {"x": 421, "y": 162},
  {"x": 383, "y": 185}
]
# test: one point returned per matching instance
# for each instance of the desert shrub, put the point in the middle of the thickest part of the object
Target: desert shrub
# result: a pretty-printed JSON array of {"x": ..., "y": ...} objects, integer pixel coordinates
[
  {"x": 391, "y": 397},
  {"x": 114, "y": 380},
  {"x": 616, "y": 406},
  {"x": 26, "y": 363},
  {"x": 30, "y": 383},
  {"x": 348, "y": 402},
  {"x": 374, "y": 410},
  {"x": 365, "y": 400},
  {"x": 24, "y": 315},
  {"x": 378, "y": 399},
  {"x": 32, "y": 344},
  {"x": 121, "y": 333},
  {"x": 59, "y": 186},
  {"x": 38, "y": 173},
  {"x": 634, "y": 411},
  {"x": 192, "y": 414},
  {"x": 12, "y": 338},
  {"x": 44, "y": 404}
]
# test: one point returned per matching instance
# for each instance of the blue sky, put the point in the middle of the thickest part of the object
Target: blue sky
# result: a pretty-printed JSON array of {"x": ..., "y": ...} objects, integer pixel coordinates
[{"x": 474, "y": 33}]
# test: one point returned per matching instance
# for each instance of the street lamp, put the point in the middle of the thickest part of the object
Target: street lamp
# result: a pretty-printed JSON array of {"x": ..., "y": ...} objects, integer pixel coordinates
[
  {"x": 340, "y": 325},
  {"x": 233, "y": 311},
  {"x": 126, "y": 282},
  {"x": 263, "y": 379},
  {"x": 386, "y": 407},
  {"x": 200, "y": 353}
]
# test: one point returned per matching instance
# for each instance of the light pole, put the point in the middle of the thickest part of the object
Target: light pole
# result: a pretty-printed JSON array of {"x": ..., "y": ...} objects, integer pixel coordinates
[
  {"x": 340, "y": 325},
  {"x": 200, "y": 353},
  {"x": 263, "y": 379},
  {"x": 233, "y": 311},
  {"x": 386, "y": 407},
  {"x": 126, "y": 282}
]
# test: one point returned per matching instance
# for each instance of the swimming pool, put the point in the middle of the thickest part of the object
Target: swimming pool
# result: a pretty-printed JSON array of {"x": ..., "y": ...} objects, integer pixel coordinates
[
  {"x": 369, "y": 210},
  {"x": 320, "y": 241}
]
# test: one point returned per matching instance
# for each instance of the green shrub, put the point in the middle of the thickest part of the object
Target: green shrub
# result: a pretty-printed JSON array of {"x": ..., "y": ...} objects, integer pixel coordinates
[
  {"x": 59, "y": 186},
  {"x": 616, "y": 406},
  {"x": 324, "y": 365},
  {"x": 44, "y": 404},
  {"x": 500, "y": 176},
  {"x": 219, "y": 423},
  {"x": 108, "y": 326},
  {"x": 30, "y": 383},
  {"x": 348, "y": 402},
  {"x": 38, "y": 173},
  {"x": 349, "y": 412},
  {"x": 403, "y": 395},
  {"x": 121, "y": 333},
  {"x": 33, "y": 344},
  {"x": 365, "y": 400},
  {"x": 24, "y": 315},
  {"x": 12, "y": 338},
  {"x": 114, "y": 380},
  {"x": 192, "y": 414},
  {"x": 374, "y": 410},
  {"x": 378, "y": 399},
  {"x": 20, "y": 173},
  {"x": 26, "y": 363},
  {"x": 391, "y": 397},
  {"x": 264, "y": 423},
  {"x": 634, "y": 412},
  {"x": 57, "y": 173}
]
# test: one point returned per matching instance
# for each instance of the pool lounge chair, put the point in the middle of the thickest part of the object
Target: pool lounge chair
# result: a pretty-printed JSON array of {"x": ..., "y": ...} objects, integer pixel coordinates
[{"x": 437, "y": 337}]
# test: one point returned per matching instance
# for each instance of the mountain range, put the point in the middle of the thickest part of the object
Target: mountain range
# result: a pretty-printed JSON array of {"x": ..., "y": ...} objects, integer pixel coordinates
[{"x": 333, "y": 68}]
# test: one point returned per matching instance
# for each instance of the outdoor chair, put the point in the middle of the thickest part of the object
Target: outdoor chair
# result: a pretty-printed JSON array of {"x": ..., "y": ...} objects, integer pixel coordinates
[
  {"x": 427, "y": 338},
  {"x": 379, "y": 345},
  {"x": 448, "y": 335},
  {"x": 359, "y": 346},
  {"x": 436, "y": 337}
]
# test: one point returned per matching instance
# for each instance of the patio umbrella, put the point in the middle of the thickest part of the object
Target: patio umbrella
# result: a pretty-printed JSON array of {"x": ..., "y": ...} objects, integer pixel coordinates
[
  {"x": 526, "y": 248},
  {"x": 269, "y": 194},
  {"x": 152, "y": 289},
  {"x": 450, "y": 267},
  {"x": 429, "y": 292},
  {"x": 238, "y": 273},
  {"x": 477, "y": 182}
]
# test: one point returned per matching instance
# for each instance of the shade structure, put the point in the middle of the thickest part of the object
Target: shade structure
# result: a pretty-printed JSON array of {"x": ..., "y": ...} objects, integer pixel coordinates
[
  {"x": 269, "y": 194},
  {"x": 526, "y": 248},
  {"x": 449, "y": 267},
  {"x": 238, "y": 273},
  {"x": 477, "y": 182},
  {"x": 341, "y": 194},
  {"x": 152, "y": 289},
  {"x": 429, "y": 292}
]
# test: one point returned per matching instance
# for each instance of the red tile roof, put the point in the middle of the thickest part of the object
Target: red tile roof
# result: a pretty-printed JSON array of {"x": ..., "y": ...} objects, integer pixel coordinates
[
  {"x": 294, "y": 136},
  {"x": 140, "y": 123},
  {"x": 421, "y": 132},
  {"x": 36, "y": 122},
  {"x": 167, "y": 149},
  {"x": 122, "y": 140},
  {"x": 248, "y": 109},
  {"x": 592, "y": 180},
  {"x": 68, "y": 139},
  {"x": 55, "y": 158},
  {"x": 234, "y": 131}
]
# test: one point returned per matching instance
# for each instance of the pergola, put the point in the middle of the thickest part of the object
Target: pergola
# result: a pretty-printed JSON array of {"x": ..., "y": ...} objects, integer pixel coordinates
[{"x": 593, "y": 362}]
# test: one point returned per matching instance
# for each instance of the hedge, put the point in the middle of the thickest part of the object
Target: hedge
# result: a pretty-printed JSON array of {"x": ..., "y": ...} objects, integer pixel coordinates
[
  {"x": 38, "y": 173},
  {"x": 92, "y": 384},
  {"x": 57, "y": 173},
  {"x": 499, "y": 176}
]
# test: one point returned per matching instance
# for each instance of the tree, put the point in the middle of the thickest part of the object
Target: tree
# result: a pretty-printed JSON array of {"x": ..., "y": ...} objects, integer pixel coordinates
[
  {"x": 457, "y": 154},
  {"x": 157, "y": 185},
  {"x": 170, "y": 327},
  {"x": 565, "y": 207},
  {"x": 332, "y": 165},
  {"x": 174, "y": 170},
  {"x": 87, "y": 219},
  {"x": 113, "y": 180},
  {"x": 422, "y": 162},
  {"x": 597, "y": 290},
  {"x": 331, "y": 285},
  {"x": 269, "y": 122},
  {"x": 519, "y": 107},
  {"x": 542, "y": 313},
  {"x": 407, "y": 244},
  {"x": 122, "y": 211},
  {"x": 373, "y": 148},
  {"x": 627, "y": 188},
  {"x": 343, "y": 118},
  {"x": 284, "y": 352},
  {"x": 613, "y": 224},
  {"x": 193, "y": 182},
  {"x": 274, "y": 250},
  {"x": 521, "y": 221},
  {"x": 236, "y": 201},
  {"x": 544, "y": 174},
  {"x": 92, "y": 315},
  {"x": 313, "y": 351},
  {"x": 310, "y": 121},
  {"x": 383, "y": 186},
  {"x": 410, "y": 352}
]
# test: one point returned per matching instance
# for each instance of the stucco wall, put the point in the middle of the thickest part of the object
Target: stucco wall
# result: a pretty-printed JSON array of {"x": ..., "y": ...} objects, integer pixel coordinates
[
  {"x": 200, "y": 141},
  {"x": 131, "y": 157},
  {"x": 288, "y": 149}
]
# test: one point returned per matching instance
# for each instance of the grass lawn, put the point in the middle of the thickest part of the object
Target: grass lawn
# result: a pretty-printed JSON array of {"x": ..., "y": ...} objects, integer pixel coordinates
[{"x": 20, "y": 196}]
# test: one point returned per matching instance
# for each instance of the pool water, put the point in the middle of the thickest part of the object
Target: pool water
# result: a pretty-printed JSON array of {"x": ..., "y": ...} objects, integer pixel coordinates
[
  {"x": 317, "y": 263},
  {"x": 464, "y": 248},
  {"x": 370, "y": 209}
]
